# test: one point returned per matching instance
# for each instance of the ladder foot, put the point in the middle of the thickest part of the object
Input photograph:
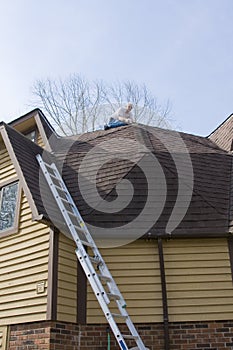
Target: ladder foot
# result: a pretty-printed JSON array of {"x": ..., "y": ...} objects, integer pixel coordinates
[{"x": 137, "y": 348}]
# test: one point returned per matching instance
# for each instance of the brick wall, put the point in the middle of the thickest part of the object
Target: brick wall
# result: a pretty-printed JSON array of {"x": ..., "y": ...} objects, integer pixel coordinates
[
  {"x": 67, "y": 336},
  {"x": 202, "y": 335},
  {"x": 30, "y": 336}
]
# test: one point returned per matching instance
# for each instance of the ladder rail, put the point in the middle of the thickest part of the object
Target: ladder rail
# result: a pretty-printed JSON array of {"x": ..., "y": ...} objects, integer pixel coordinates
[
  {"x": 103, "y": 268},
  {"x": 107, "y": 313},
  {"x": 97, "y": 284},
  {"x": 85, "y": 260}
]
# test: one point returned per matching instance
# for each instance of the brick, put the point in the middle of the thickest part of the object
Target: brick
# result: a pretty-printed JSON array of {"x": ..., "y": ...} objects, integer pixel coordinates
[
  {"x": 67, "y": 336},
  {"x": 225, "y": 329},
  {"x": 203, "y": 346},
  {"x": 187, "y": 326},
  {"x": 201, "y": 325},
  {"x": 59, "y": 325}
]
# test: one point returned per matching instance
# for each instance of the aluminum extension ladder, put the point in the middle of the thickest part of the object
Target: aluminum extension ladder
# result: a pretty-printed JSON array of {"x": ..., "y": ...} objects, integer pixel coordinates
[{"x": 94, "y": 266}]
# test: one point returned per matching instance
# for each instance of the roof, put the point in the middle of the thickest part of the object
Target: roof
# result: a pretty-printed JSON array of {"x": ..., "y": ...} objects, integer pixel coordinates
[
  {"x": 30, "y": 115},
  {"x": 223, "y": 134},
  {"x": 209, "y": 203},
  {"x": 180, "y": 183},
  {"x": 35, "y": 120}
]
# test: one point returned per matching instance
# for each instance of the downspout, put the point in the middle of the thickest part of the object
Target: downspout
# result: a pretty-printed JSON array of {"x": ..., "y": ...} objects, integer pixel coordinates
[{"x": 164, "y": 295}]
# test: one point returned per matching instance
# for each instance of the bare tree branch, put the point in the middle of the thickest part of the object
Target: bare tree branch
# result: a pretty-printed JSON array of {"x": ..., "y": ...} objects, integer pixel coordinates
[{"x": 77, "y": 105}]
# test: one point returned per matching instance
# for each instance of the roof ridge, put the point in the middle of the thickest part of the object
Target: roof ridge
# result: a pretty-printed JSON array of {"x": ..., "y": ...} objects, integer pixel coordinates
[
  {"x": 104, "y": 132},
  {"x": 26, "y": 115},
  {"x": 143, "y": 137}
]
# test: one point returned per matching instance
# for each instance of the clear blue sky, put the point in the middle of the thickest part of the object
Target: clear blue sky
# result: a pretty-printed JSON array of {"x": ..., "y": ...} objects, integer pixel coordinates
[{"x": 181, "y": 49}]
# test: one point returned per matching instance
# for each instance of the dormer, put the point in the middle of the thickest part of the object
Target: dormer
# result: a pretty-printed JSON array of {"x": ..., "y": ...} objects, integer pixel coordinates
[{"x": 36, "y": 127}]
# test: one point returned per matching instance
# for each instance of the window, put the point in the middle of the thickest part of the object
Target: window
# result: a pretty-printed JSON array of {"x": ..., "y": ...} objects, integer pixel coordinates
[
  {"x": 8, "y": 206},
  {"x": 32, "y": 135}
]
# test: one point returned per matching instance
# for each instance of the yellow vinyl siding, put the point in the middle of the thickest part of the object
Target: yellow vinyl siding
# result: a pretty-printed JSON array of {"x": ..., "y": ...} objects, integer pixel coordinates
[
  {"x": 135, "y": 268},
  {"x": 7, "y": 170},
  {"x": 198, "y": 275},
  {"x": 67, "y": 281},
  {"x": 3, "y": 338},
  {"x": 24, "y": 263},
  {"x": 199, "y": 282}
]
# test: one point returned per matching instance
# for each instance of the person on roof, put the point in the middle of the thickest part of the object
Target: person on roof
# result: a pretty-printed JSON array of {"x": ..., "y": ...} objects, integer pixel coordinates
[{"x": 123, "y": 116}]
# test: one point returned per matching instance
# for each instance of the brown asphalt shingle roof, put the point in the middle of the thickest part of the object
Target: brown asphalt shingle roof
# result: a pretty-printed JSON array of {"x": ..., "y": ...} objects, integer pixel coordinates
[
  {"x": 25, "y": 152},
  {"x": 208, "y": 212}
]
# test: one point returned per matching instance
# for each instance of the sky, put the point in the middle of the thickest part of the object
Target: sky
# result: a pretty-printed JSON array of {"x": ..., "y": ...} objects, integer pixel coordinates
[{"x": 181, "y": 49}]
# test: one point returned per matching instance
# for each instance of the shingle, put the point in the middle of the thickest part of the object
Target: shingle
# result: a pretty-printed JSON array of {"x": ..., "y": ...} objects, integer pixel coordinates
[
  {"x": 223, "y": 135},
  {"x": 25, "y": 152},
  {"x": 209, "y": 208},
  {"x": 211, "y": 165}
]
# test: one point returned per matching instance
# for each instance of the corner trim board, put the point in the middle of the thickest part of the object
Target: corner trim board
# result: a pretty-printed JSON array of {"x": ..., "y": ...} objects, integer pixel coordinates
[
  {"x": 81, "y": 295},
  {"x": 164, "y": 295},
  {"x": 230, "y": 249},
  {"x": 52, "y": 275}
]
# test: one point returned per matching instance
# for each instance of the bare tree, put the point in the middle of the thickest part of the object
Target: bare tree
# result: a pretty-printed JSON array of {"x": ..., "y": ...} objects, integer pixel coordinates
[{"x": 76, "y": 105}]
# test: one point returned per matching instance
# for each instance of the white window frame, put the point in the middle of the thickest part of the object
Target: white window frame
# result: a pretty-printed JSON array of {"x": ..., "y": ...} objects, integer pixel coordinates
[{"x": 14, "y": 228}]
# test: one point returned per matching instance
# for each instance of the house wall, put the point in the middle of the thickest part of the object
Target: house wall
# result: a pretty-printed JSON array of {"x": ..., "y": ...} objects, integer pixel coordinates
[
  {"x": 198, "y": 276},
  {"x": 23, "y": 263},
  {"x": 67, "y": 281},
  {"x": 61, "y": 336},
  {"x": 135, "y": 268},
  {"x": 199, "y": 281},
  {"x": 7, "y": 170}
]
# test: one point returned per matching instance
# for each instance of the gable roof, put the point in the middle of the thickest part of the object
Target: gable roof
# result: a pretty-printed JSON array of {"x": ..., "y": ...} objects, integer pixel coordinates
[
  {"x": 34, "y": 184},
  {"x": 133, "y": 149},
  {"x": 35, "y": 119},
  {"x": 18, "y": 167},
  {"x": 223, "y": 134}
]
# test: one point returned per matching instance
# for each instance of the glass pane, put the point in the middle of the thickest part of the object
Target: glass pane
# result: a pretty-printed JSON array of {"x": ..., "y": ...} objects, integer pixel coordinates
[
  {"x": 31, "y": 135},
  {"x": 8, "y": 206}
]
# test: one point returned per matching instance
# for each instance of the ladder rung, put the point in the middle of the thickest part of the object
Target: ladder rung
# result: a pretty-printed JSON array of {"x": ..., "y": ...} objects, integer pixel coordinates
[
  {"x": 113, "y": 296},
  {"x": 105, "y": 278},
  {"x": 66, "y": 201},
  {"x": 55, "y": 177},
  {"x": 59, "y": 188},
  {"x": 87, "y": 243},
  {"x": 119, "y": 316},
  {"x": 79, "y": 229},
  {"x": 50, "y": 166},
  {"x": 95, "y": 260},
  {"x": 130, "y": 336},
  {"x": 71, "y": 213}
]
